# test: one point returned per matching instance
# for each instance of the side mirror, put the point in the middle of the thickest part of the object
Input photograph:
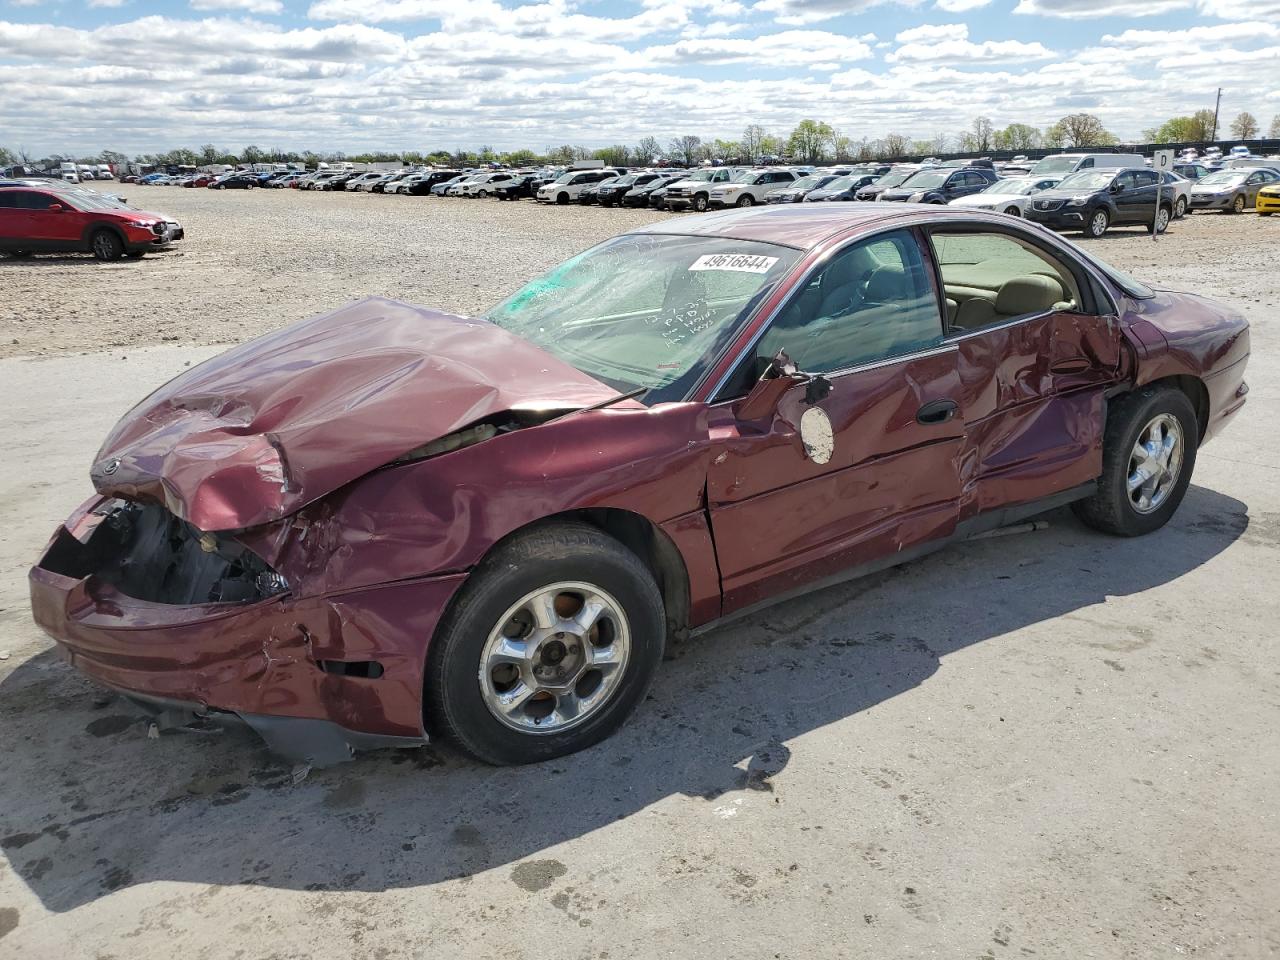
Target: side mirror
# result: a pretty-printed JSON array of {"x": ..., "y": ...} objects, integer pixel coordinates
[
  {"x": 55, "y": 208},
  {"x": 1115, "y": 188},
  {"x": 778, "y": 378}
]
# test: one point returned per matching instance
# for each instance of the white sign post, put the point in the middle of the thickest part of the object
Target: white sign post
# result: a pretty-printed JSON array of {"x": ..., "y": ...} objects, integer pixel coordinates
[{"x": 1161, "y": 163}]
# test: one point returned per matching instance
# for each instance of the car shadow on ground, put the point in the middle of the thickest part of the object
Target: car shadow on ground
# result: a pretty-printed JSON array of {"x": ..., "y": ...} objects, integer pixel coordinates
[{"x": 90, "y": 805}]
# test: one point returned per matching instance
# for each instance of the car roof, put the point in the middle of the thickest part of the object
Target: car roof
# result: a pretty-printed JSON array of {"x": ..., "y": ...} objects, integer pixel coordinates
[{"x": 803, "y": 226}]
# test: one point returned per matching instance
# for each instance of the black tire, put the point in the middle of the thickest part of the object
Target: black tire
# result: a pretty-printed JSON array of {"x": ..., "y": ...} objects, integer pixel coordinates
[
  {"x": 1180, "y": 210},
  {"x": 1097, "y": 223},
  {"x": 562, "y": 198},
  {"x": 18, "y": 254},
  {"x": 1238, "y": 203},
  {"x": 1168, "y": 218},
  {"x": 700, "y": 203},
  {"x": 135, "y": 254},
  {"x": 746, "y": 200},
  {"x": 106, "y": 245},
  {"x": 454, "y": 703},
  {"x": 1013, "y": 211},
  {"x": 1110, "y": 509}
]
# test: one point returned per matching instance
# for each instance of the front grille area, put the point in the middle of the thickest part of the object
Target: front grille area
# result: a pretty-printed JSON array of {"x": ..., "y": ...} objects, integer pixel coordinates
[
  {"x": 1047, "y": 205},
  {"x": 147, "y": 553}
]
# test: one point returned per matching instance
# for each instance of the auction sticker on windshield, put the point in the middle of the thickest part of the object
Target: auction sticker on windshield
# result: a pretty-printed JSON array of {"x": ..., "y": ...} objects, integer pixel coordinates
[{"x": 741, "y": 262}]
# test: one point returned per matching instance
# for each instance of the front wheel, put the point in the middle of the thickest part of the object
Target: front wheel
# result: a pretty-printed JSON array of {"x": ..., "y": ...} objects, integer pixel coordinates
[
  {"x": 106, "y": 245},
  {"x": 1013, "y": 211},
  {"x": 1148, "y": 454},
  {"x": 1238, "y": 204},
  {"x": 700, "y": 203},
  {"x": 562, "y": 198},
  {"x": 483, "y": 193},
  {"x": 1098, "y": 223},
  {"x": 746, "y": 200},
  {"x": 136, "y": 254},
  {"x": 548, "y": 648}
]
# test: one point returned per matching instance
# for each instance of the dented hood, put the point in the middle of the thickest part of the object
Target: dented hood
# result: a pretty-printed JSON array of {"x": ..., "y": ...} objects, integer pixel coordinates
[{"x": 258, "y": 432}]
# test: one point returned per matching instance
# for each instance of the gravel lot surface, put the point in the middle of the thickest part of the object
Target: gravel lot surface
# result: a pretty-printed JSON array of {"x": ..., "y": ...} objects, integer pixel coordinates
[
  {"x": 258, "y": 260},
  {"x": 1048, "y": 745}
]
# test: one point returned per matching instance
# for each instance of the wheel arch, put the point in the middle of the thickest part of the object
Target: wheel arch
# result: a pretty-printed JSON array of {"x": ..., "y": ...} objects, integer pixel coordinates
[
  {"x": 642, "y": 537},
  {"x": 87, "y": 236},
  {"x": 1195, "y": 390}
]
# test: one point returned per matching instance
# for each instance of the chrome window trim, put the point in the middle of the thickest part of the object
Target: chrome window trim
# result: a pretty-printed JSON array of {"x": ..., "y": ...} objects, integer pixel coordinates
[{"x": 1002, "y": 325}]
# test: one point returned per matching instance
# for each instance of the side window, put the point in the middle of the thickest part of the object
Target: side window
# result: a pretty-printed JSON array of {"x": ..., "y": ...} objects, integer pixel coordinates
[
  {"x": 1145, "y": 178},
  {"x": 29, "y": 200},
  {"x": 995, "y": 277},
  {"x": 1086, "y": 164},
  {"x": 1257, "y": 178},
  {"x": 871, "y": 301},
  {"x": 8, "y": 199},
  {"x": 1126, "y": 180}
]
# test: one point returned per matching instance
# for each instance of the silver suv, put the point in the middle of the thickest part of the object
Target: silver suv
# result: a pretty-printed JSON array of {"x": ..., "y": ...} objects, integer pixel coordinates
[{"x": 749, "y": 187}]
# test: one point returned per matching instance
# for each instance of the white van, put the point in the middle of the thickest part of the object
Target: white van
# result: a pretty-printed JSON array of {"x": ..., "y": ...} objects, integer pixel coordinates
[{"x": 1061, "y": 164}]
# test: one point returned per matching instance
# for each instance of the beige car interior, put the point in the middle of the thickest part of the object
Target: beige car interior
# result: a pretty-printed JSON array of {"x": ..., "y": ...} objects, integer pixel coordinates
[{"x": 991, "y": 278}]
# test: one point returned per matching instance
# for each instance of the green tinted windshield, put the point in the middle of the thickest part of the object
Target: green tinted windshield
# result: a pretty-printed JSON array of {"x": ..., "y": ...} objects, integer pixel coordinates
[{"x": 645, "y": 310}]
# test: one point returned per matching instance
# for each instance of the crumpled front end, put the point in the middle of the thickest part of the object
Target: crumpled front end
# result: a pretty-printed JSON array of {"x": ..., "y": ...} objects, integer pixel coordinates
[{"x": 192, "y": 622}]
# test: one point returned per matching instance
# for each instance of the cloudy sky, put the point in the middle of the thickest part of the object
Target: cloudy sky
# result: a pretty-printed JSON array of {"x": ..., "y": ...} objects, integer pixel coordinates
[{"x": 150, "y": 75}]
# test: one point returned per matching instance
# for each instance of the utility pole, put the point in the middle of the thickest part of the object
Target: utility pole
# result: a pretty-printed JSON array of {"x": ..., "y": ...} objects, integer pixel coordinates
[{"x": 1215, "y": 113}]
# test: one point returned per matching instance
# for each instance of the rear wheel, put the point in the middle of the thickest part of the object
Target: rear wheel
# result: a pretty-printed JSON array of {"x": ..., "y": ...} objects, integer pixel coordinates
[
  {"x": 1148, "y": 454},
  {"x": 19, "y": 254},
  {"x": 1097, "y": 224},
  {"x": 549, "y": 647},
  {"x": 1181, "y": 210},
  {"x": 106, "y": 245},
  {"x": 1163, "y": 216}
]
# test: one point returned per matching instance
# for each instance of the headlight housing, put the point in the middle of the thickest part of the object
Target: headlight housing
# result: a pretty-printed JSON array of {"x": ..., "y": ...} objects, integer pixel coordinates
[
  {"x": 1077, "y": 201},
  {"x": 916, "y": 197}
]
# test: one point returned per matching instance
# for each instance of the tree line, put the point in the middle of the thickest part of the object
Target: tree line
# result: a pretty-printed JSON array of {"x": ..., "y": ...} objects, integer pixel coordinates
[{"x": 811, "y": 141}]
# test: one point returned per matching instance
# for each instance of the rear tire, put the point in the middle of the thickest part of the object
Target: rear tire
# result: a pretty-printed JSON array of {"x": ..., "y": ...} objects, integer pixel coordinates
[
  {"x": 1163, "y": 217},
  {"x": 1181, "y": 210},
  {"x": 493, "y": 617},
  {"x": 106, "y": 245},
  {"x": 1116, "y": 507}
]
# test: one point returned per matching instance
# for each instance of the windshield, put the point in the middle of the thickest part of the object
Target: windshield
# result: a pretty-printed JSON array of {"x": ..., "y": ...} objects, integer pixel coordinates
[
  {"x": 893, "y": 179},
  {"x": 1010, "y": 188},
  {"x": 701, "y": 175},
  {"x": 927, "y": 179},
  {"x": 841, "y": 183},
  {"x": 1091, "y": 180},
  {"x": 645, "y": 310},
  {"x": 1133, "y": 287},
  {"x": 746, "y": 176},
  {"x": 1222, "y": 178},
  {"x": 94, "y": 201},
  {"x": 1058, "y": 164},
  {"x": 809, "y": 183}
]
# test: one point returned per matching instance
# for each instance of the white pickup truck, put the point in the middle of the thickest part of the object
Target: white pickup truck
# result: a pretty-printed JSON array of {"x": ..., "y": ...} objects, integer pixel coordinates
[{"x": 695, "y": 189}]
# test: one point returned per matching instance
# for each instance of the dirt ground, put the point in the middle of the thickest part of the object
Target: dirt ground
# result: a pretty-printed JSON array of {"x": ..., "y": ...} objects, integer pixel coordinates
[{"x": 1046, "y": 745}]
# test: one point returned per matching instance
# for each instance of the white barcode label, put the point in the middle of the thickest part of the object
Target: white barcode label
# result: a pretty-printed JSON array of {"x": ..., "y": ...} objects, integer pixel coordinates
[{"x": 741, "y": 262}]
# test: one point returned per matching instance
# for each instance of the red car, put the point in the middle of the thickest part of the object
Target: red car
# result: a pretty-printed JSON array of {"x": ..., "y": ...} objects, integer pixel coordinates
[
  {"x": 37, "y": 220},
  {"x": 389, "y": 520}
]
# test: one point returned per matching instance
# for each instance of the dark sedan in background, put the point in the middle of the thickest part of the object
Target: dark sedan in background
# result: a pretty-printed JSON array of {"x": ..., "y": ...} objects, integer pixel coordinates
[
  {"x": 842, "y": 188},
  {"x": 940, "y": 185}
]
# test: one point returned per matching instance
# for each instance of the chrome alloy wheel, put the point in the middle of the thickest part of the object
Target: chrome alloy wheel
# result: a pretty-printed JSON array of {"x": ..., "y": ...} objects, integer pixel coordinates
[
  {"x": 1155, "y": 463},
  {"x": 555, "y": 658},
  {"x": 1100, "y": 223}
]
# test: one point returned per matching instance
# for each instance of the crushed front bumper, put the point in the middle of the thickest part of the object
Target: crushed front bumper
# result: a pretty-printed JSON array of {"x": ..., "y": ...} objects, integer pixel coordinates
[{"x": 317, "y": 677}]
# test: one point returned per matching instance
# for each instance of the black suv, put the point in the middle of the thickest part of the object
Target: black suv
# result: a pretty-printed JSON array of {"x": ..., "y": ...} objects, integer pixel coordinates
[
  {"x": 1092, "y": 201},
  {"x": 422, "y": 188},
  {"x": 941, "y": 184}
]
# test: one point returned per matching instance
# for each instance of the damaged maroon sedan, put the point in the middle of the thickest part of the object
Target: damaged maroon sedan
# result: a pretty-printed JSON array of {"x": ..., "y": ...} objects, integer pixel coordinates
[{"x": 389, "y": 520}]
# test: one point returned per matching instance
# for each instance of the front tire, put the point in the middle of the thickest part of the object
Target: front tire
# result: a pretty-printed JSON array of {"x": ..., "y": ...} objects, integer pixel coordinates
[
  {"x": 1148, "y": 455},
  {"x": 106, "y": 245},
  {"x": 700, "y": 204},
  {"x": 1238, "y": 204},
  {"x": 1013, "y": 211},
  {"x": 746, "y": 200},
  {"x": 136, "y": 254},
  {"x": 1097, "y": 225},
  {"x": 562, "y": 199},
  {"x": 550, "y": 645}
]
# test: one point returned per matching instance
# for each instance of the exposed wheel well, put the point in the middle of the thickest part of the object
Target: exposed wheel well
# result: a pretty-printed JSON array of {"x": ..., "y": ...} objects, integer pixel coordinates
[
  {"x": 1196, "y": 392},
  {"x": 109, "y": 227}
]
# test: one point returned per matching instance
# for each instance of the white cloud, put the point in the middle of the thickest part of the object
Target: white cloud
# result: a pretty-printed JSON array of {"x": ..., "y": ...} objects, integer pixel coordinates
[
  {"x": 1091, "y": 9},
  {"x": 803, "y": 12},
  {"x": 251, "y": 6},
  {"x": 960, "y": 6},
  {"x": 949, "y": 43},
  {"x": 811, "y": 48},
  {"x": 107, "y": 3}
]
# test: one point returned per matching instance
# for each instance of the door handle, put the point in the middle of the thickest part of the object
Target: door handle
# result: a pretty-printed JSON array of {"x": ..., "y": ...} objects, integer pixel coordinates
[
  {"x": 937, "y": 411},
  {"x": 1071, "y": 365}
]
